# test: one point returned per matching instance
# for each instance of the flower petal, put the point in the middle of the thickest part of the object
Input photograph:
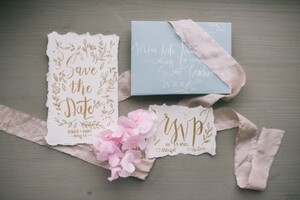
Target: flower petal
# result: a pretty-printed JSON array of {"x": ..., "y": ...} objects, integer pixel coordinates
[
  {"x": 126, "y": 163},
  {"x": 133, "y": 142},
  {"x": 123, "y": 173},
  {"x": 131, "y": 156},
  {"x": 133, "y": 131},
  {"x": 104, "y": 135},
  {"x": 114, "y": 173},
  {"x": 107, "y": 147},
  {"x": 143, "y": 119},
  {"x": 119, "y": 132},
  {"x": 135, "y": 115},
  {"x": 96, "y": 144},
  {"x": 126, "y": 122},
  {"x": 129, "y": 167},
  {"x": 136, "y": 155},
  {"x": 114, "y": 160},
  {"x": 145, "y": 126}
]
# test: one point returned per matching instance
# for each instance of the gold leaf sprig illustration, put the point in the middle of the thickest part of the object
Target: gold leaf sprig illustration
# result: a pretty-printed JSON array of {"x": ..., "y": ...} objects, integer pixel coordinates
[
  {"x": 65, "y": 122},
  {"x": 62, "y": 77},
  {"x": 59, "y": 45},
  {"x": 103, "y": 53},
  {"x": 71, "y": 47},
  {"x": 207, "y": 133},
  {"x": 97, "y": 104},
  {"x": 107, "y": 84},
  {"x": 111, "y": 44},
  {"x": 55, "y": 97},
  {"x": 114, "y": 71},
  {"x": 92, "y": 124},
  {"x": 57, "y": 87},
  {"x": 109, "y": 102},
  {"x": 59, "y": 59},
  {"x": 109, "y": 119},
  {"x": 87, "y": 46}
]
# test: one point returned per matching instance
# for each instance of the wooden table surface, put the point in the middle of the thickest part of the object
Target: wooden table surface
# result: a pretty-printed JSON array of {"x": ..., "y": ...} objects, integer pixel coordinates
[{"x": 265, "y": 42}]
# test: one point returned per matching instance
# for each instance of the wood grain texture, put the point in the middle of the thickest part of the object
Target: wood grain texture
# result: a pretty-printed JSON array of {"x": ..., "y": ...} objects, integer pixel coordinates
[{"x": 265, "y": 42}]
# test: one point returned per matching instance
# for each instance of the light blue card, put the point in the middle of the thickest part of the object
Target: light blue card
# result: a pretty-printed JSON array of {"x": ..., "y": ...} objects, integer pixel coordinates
[{"x": 161, "y": 63}]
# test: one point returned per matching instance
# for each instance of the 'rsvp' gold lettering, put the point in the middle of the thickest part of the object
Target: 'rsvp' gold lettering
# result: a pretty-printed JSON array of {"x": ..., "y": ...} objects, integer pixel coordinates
[{"x": 176, "y": 129}]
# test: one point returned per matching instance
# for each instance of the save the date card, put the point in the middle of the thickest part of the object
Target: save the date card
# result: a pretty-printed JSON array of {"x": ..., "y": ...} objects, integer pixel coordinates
[
  {"x": 161, "y": 64},
  {"x": 82, "y": 86}
]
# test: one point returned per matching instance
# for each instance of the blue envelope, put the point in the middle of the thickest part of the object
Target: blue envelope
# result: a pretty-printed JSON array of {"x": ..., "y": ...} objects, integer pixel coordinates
[{"x": 161, "y": 64}]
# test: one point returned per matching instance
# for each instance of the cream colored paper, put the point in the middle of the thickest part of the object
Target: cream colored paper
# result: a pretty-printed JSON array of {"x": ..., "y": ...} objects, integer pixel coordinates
[
  {"x": 182, "y": 130},
  {"x": 82, "y": 86}
]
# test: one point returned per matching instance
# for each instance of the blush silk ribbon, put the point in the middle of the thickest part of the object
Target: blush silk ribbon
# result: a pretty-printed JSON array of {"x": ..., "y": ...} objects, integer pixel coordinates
[{"x": 253, "y": 155}]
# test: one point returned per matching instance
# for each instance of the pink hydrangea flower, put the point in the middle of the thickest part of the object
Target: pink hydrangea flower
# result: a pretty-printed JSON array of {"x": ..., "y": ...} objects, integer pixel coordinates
[
  {"x": 126, "y": 167},
  {"x": 130, "y": 157},
  {"x": 105, "y": 135},
  {"x": 114, "y": 173},
  {"x": 123, "y": 147},
  {"x": 126, "y": 127},
  {"x": 133, "y": 142},
  {"x": 144, "y": 121},
  {"x": 108, "y": 150}
]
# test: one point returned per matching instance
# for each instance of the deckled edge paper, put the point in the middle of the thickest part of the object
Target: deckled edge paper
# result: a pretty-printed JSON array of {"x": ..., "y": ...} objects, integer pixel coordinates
[
  {"x": 182, "y": 130},
  {"x": 82, "y": 86}
]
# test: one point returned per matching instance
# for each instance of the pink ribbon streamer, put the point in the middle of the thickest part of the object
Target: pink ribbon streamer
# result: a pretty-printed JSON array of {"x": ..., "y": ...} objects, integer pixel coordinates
[
  {"x": 253, "y": 155},
  {"x": 214, "y": 56},
  {"x": 124, "y": 85}
]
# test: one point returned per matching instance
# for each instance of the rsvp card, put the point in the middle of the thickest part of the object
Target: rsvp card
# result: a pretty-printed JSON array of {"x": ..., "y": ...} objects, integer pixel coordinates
[
  {"x": 82, "y": 86},
  {"x": 161, "y": 64},
  {"x": 182, "y": 130}
]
